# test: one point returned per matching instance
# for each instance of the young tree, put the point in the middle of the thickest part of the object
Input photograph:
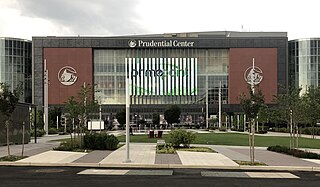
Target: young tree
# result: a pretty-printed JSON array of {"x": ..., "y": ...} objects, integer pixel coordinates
[
  {"x": 312, "y": 102},
  {"x": 53, "y": 113},
  {"x": 8, "y": 102},
  {"x": 81, "y": 106},
  {"x": 263, "y": 116},
  {"x": 172, "y": 114},
  {"x": 251, "y": 106},
  {"x": 291, "y": 108},
  {"x": 71, "y": 107}
]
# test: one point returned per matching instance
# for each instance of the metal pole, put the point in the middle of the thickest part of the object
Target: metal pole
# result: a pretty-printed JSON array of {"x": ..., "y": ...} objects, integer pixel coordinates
[
  {"x": 46, "y": 83},
  {"x": 35, "y": 124},
  {"x": 207, "y": 94},
  {"x": 127, "y": 114},
  {"x": 57, "y": 122},
  {"x": 207, "y": 103},
  {"x": 253, "y": 120},
  {"x": 100, "y": 116},
  {"x": 220, "y": 105}
]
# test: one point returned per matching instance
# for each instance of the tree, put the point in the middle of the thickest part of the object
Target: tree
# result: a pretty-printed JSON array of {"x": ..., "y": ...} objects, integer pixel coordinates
[
  {"x": 172, "y": 114},
  {"x": 81, "y": 106},
  {"x": 8, "y": 102},
  {"x": 312, "y": 104},
  {"x": 263, "y": 115},
  {"x": 155, "y": 118},
  {"x": 53, "y": 113},
  {"x": 73, "y": 111},
  {"x": 121, "y": 117},
  {"x": 251, "y": 106},
  {"x": 291, "y": 108}
]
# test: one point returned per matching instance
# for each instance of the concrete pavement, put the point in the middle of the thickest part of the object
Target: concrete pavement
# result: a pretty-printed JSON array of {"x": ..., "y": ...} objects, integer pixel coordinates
[{"x": 144, "y": 155}]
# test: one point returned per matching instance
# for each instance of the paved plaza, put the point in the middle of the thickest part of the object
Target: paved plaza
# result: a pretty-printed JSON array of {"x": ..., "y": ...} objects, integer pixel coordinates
[{"x": 144, "y": 155}]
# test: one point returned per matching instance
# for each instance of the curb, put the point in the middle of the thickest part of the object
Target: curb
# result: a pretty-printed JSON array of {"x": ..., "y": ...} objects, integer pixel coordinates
[{"x": 164, "y": 166}]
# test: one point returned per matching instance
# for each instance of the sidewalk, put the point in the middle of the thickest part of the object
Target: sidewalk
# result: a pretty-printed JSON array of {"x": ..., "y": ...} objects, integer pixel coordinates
[{"x": 144, "y": 155}]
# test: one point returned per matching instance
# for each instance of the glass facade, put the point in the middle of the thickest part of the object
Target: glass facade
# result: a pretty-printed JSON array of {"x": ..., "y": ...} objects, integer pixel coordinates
[
  {"x": 16, "y": 65},
  {"x": 204, "y": 70},
  {"x": 304, "y": 60}
]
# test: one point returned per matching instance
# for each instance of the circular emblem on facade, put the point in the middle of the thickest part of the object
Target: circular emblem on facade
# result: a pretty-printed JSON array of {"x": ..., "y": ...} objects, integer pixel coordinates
[
  {"x": 67, "y": 75},
  {"x": 253, "y": 75},
  {"x": 132, "y": 43}
]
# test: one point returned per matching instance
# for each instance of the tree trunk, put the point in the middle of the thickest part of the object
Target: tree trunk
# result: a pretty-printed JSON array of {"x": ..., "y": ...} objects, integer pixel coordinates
[
  {"x": 291, "y": 136},
  {"x": 297, "y": 140},
  {"x": 8, "y": 142},
  {"x": 253, "y": 131},
  {"x": 23, "y": 129},
  {"x": 250, "y": 139}
]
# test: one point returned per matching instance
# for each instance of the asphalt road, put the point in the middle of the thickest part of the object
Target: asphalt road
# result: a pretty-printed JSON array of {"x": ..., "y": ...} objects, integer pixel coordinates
[{"x": 69, "y": 176}]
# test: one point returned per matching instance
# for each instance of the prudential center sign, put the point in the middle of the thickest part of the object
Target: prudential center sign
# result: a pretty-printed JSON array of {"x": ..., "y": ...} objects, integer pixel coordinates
[{"x": 163, "y": 43}]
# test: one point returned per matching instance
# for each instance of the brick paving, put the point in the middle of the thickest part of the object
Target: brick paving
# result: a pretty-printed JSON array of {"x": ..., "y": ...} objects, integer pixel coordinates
[
  {"x": 93, "y": 157},
  {"x": 167, "y": 159}
]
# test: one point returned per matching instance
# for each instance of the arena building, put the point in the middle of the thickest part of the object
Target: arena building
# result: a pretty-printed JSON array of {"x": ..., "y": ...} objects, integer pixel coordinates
[
  {"x": 16, "y": 65},
  {"x": 184, "y": 69},
  {"x": 304, "y": 60}
]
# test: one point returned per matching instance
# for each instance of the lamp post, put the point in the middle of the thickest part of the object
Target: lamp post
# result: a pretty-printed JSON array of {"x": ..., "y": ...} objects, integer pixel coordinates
[
  {"x": 220, "y": 105},
  {"x": 100, "y": 116},
  {"x": 127, "y": 112},
  {"x": 45, "y": 86}
]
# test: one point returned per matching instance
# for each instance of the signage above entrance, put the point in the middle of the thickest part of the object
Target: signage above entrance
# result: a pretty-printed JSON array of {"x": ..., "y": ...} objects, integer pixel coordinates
[{"x": 163, "y": 43}]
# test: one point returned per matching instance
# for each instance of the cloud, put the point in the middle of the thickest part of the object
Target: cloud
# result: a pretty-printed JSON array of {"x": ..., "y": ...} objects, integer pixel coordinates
[{"x": 85, "y": 17}]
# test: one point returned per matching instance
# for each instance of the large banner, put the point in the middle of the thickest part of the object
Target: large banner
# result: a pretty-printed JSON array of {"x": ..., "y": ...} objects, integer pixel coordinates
[{"x": 162, "y": 76}]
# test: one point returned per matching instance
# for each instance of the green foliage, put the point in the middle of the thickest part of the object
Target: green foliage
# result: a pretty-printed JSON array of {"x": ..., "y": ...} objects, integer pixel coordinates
[
  {"x": 8, "y": 99},
  {"x": 53, "y": 113},
  {"x": 121, "y": 117},
  {"x": 165, "y": 149},
  {"x": 11, "y": 158},
  {"x": 197, "y": 149},
  {"x": 155, "y": 118},
  {"x": 312, "y": 102},
  {"x": 40, "y": 132},
  {"x": 289, "y": 105},
  {"x": 172, "y": 114},
  {"x": 68, "y": 146},
  {"x": 101, "y": 141},
  {"x": 294, "y": 152},
  {"x": 52, "y": 131},
  {"x": 181, "y": 136},
  {"x": 251, "y": 104},
  {"x": 231, "y": 139}
]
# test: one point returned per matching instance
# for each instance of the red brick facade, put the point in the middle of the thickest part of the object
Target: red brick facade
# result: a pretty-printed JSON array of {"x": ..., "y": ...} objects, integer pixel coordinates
[
  {"x": 78, "y": 58},
  {"x": 240, "y": 59}
]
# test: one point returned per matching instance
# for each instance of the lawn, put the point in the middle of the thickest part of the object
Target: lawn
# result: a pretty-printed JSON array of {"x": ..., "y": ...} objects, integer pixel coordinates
[{"x": 232, "y": 139}]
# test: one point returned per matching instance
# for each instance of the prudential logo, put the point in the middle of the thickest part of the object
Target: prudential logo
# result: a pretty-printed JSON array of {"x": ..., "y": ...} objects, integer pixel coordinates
[
  {"x": 67, "y": 75},
  {"x": 132, "y": 43}
]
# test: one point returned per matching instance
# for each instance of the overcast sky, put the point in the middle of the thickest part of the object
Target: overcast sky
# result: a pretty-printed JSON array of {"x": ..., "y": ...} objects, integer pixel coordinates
[{"x": 27, "y": 18}]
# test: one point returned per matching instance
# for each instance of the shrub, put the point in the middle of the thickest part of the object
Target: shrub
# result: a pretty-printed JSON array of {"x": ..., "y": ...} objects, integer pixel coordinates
[
  {"x": 180, "y": 136},
  {"x": 68, "y": 146},
  {"x": 165, "y": 149},
  {"x": 52, "y": 131},
  {"x": 100, "y": 141},
  {"x": 40, "y": 132},
  {"x": 262, "y": 131},
  {"x": 294, "y": 152}
]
